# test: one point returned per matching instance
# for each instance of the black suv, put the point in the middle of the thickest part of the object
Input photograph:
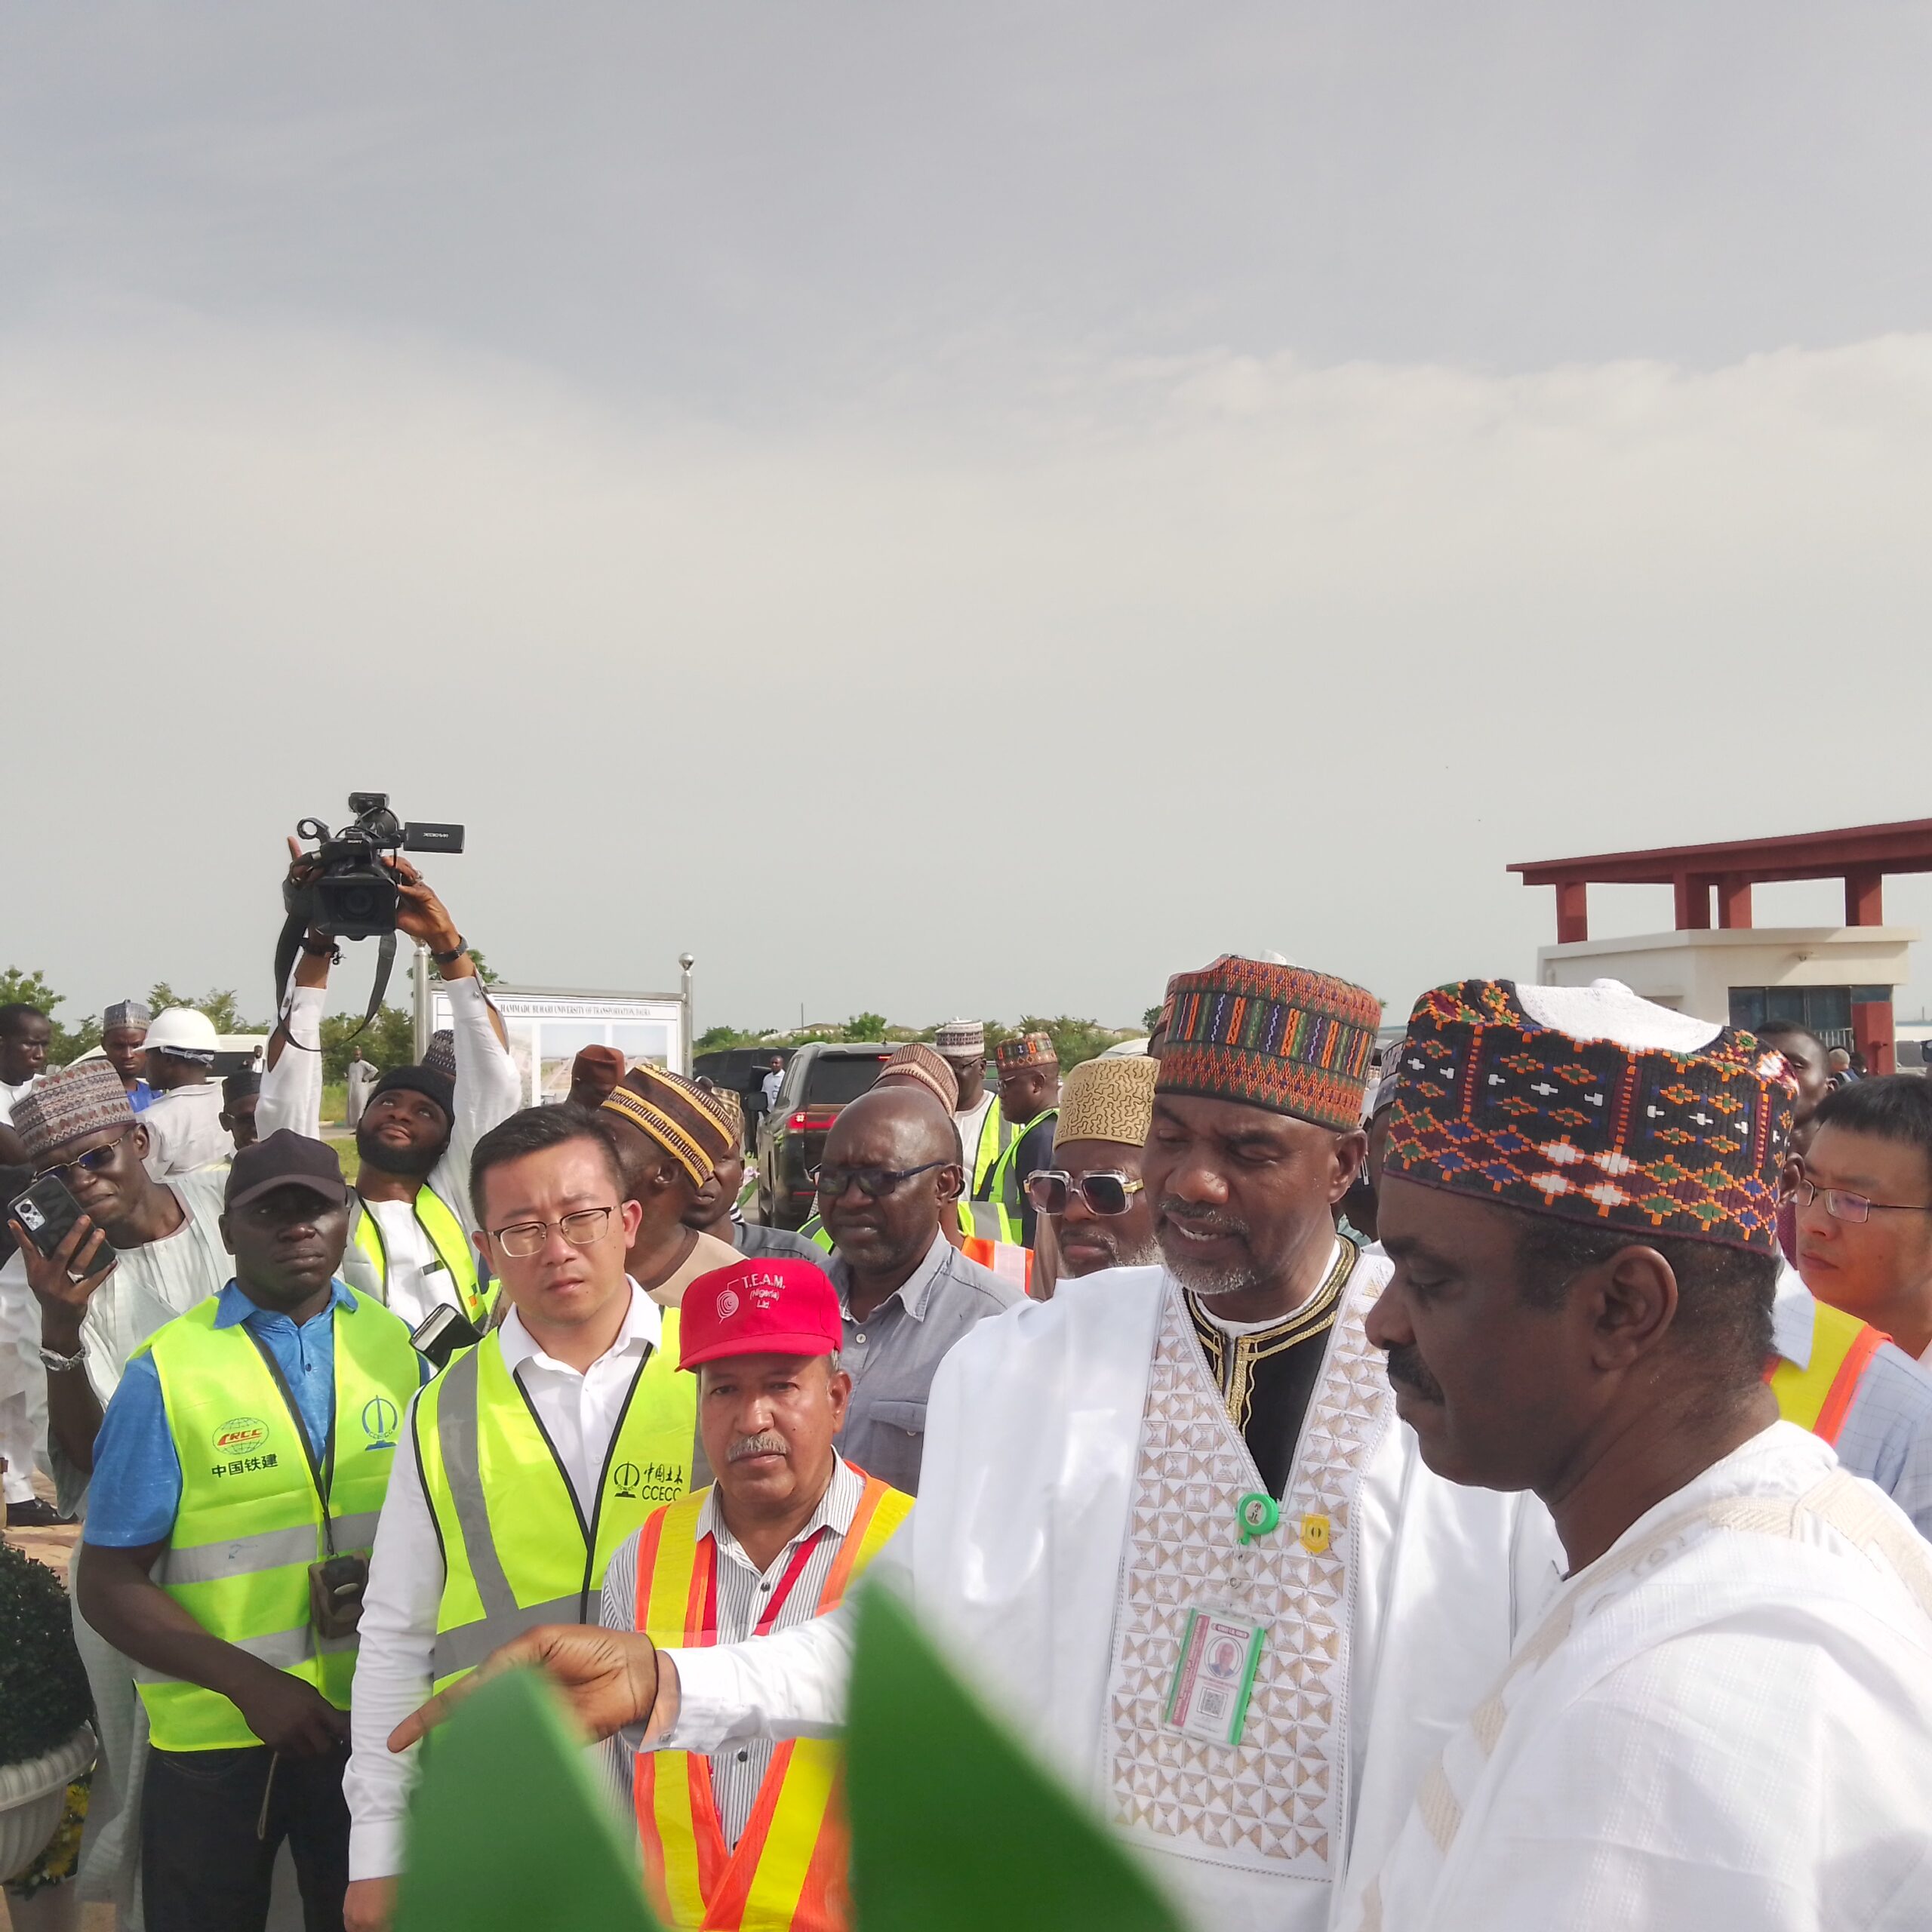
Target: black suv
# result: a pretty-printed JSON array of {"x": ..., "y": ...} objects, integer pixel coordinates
[{"x": 823, "y": 1075}]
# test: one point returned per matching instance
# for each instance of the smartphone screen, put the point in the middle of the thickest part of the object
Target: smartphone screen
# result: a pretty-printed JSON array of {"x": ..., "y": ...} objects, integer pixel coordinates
[{"x": 47, "y": 1211}]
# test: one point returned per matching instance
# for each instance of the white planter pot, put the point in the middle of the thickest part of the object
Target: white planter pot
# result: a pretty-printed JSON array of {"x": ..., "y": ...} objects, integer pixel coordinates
[{"x": 32, "y": 1795}]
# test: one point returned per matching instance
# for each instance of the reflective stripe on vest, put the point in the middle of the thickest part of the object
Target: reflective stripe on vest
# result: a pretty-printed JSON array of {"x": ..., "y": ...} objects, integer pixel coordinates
[
  {"x": 517, "y": 1549},
  {"x": 996, "y": 1135},
  {"x": 1820, "y": 1396},
  {"x": 447, "y": 1238},
  {"x": 813, "y": 1227},
  {"x": 249, "y": 1523},
  {"x": 788, "y": 1872},
  {"x": 1002, "y": 1190},
  {"x": 1007, "y": 1259}
]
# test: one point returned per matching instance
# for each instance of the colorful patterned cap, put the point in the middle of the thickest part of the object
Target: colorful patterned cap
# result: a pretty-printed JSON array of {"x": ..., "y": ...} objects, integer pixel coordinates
[
  {"x": 70, "y": 1102},
  {"x": 684, "y": 1119},
  {"x": 918, "y": 1061},
  {"x": 1107, "y": 1099},
  {"x": 1628, "y": 1115},
  {"x": 960, "y": 1039},
  {"x": 125, "y": 1013},
  {"x": 1268, "y": 1036},
  {"x": 731, "y": 1111},
  {"x": 1025, "y": 1050},
  {"x": 439, "y": 1055}
]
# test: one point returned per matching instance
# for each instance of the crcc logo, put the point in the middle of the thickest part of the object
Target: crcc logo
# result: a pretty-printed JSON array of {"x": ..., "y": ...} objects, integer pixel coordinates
[{"x": 240, "y": 1435}]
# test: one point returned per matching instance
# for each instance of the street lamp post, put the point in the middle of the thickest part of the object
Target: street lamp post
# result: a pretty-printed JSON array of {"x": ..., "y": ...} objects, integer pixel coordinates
[{"x": 686, "y": 961}]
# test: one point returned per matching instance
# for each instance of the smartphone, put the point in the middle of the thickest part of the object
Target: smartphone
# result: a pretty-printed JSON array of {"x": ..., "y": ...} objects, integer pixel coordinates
[
  {"x": 441, "y": 1332},
  {"x": 47, "y": 1212}
]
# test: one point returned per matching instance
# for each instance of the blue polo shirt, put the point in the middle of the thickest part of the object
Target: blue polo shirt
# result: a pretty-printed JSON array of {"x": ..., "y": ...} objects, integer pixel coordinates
[{"x": 135, "y": 1491}]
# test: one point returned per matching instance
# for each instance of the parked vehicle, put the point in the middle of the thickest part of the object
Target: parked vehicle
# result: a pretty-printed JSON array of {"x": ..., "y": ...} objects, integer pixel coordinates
[{"x": 822, "y": 1076}]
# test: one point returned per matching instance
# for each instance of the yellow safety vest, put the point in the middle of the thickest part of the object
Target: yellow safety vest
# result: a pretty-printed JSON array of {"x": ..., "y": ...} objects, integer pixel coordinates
[
  {"x": 435, "y": 1216},
  {"x": 518, "y": 1548},
  {"x": 250, "y": 1521},
  {"x": 1000, "y": 1192},
  {"x": 996, "y": 1135},
  {"x": 788, "y": 1872},
  {"x": 1819, "y": 1396}
]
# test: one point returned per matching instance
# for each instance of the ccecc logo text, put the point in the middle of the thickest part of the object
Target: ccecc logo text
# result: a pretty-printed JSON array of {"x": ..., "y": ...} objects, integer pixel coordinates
[{"x": 240, "y": 1435}]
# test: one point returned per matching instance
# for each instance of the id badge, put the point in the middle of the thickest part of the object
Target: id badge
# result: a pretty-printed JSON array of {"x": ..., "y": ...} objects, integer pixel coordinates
[{"x": 1220, "y": 1651}]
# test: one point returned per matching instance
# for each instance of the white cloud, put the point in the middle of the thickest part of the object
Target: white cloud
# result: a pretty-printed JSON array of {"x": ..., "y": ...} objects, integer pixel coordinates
[{"x": 1016, "y": 691}]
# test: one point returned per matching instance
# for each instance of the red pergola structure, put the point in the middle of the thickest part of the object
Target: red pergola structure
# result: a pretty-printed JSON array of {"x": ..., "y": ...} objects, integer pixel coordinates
[{"x": 1860, "y": 855}]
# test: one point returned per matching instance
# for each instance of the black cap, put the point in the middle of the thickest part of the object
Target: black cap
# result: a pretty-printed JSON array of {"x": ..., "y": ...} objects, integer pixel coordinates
[
  {"x": 285, "y": 1160},
  {"x": 427, "y": 1080}
]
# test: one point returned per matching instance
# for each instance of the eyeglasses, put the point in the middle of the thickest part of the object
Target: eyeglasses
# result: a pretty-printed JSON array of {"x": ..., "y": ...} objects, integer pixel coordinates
[
  {"x": 584, "y": 1229},
  {"x": 91, "y": 1162},
  {"x": 1106, "y": 1192},
  {"x": 1843, "y": 1205},
  {"x": 875, "y": 1184}
]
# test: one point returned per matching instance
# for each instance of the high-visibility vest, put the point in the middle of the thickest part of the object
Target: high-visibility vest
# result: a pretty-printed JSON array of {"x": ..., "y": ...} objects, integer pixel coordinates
[
  {"x": 518, "y": 1549},
  {"x": 1819, "y": 1396},
  {"x": 249, "y": 1520},
  {"x": 788, "y": 1872},
  {"x": 1001, "y": 1189},
  {"x": 813, "y": 1229},
  {"x": 996, "y": 1135},
  {"x": 367, "y": 1266},
  {"x": 1007, "y": 1259}
]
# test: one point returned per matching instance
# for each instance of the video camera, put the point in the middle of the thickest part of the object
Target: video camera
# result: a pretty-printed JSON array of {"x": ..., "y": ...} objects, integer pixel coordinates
[{"x": 353, "y": 896}]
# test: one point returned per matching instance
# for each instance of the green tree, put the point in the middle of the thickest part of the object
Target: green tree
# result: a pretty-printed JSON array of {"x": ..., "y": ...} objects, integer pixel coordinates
[
  {"x": 219, "y": 1003},
  {"x": 389, "y": 1041},
  {"x": 65, "y": 1044},
  {"x": 483, "y": 971},
  {"x": 1074, "y": 1041},
  {"x": 866, "y": 1027},
  {"x": 1150, "y": 1020}
]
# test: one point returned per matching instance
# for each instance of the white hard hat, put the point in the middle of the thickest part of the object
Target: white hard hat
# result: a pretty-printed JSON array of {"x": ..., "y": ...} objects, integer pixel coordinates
[{"x": 181, "y": 1029}]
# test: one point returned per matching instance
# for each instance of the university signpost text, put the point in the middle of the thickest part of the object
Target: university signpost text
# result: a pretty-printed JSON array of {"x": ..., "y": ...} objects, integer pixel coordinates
[{"x": 954, "y": 1828}]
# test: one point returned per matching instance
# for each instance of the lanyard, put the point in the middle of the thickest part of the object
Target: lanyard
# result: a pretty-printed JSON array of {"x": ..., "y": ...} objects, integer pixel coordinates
[
  {"x": 793, "y": 1571},
  {"x": 322, "y": 1473}
]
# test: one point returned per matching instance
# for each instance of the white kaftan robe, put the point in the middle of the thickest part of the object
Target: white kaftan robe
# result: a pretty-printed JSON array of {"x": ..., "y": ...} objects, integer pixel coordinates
[
  {"x": 1033, "y": 1520},
  {"x": 1723, "y": 1724}
]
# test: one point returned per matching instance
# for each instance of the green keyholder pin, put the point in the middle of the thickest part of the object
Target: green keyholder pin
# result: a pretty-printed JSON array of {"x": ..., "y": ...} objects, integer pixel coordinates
[{"x": 1258, "y": 1512}]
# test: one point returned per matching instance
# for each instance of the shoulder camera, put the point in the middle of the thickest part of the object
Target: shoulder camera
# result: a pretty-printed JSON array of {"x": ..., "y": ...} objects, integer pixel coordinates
[{"x": 353, "y": 895}]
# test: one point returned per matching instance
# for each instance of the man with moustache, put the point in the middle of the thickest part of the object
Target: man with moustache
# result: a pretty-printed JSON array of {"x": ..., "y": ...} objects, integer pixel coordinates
[
  {"x": 1724, "y": 1715},
  {"x": 1094, "y": 1195},
  {"x": 410, "y": 1220},
  {"x": 1168, "y": 1520},
  {"x": 250, "y": 1441}
]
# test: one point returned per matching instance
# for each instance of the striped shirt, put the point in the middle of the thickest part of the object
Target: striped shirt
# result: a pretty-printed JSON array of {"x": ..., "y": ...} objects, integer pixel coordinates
[{"x": 743, "y": 1591}]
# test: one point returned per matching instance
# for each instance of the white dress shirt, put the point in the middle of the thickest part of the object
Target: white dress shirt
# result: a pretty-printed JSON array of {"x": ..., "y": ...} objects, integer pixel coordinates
[
  {"x": 185, "y": 1132},
  {"x": 580, "y": 1413}
]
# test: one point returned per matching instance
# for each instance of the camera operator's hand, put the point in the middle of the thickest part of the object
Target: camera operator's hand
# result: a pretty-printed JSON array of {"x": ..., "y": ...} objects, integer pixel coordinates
[
  {"x": 426, "y": 919},
  {"x": 318, "y": 951}
]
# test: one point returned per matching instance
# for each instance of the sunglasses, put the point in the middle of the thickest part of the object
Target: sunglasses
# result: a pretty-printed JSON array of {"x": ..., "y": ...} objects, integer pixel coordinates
[
  {"x": 91, "y": 1162},
  {"x": 1108, "y": 1191},
  {"x": 875, "y": 1184}
]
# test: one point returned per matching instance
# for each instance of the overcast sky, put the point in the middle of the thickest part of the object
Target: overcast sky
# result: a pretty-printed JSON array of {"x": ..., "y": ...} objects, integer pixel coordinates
[{"x": 966, "y": 508}]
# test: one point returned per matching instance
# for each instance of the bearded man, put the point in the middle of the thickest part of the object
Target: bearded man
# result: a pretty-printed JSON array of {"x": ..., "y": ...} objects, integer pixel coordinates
[{"x": 1168, "y": 1520}]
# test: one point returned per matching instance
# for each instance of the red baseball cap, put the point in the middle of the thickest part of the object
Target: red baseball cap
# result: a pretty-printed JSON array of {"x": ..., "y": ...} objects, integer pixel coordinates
[{"x": 779, "y": 1304}]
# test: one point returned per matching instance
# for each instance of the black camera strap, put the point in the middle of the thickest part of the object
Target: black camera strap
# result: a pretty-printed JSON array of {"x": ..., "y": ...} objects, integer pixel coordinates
[{"x": 287, "y": 947}]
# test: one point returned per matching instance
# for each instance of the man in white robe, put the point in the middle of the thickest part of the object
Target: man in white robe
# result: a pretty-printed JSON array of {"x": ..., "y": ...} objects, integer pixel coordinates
[
  {"x": 1085, "y": 1462},
  {"x": 1725, "y": 1718}
]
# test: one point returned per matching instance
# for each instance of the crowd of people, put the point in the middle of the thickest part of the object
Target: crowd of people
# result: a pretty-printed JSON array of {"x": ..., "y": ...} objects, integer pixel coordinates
[{"x": 1478, "y": 1480}]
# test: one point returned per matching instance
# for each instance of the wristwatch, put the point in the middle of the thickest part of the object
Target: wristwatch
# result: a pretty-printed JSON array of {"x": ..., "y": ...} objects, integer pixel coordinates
[
  {"x": 58, "y": 1364},
  {"x": 455, "y": 952}
]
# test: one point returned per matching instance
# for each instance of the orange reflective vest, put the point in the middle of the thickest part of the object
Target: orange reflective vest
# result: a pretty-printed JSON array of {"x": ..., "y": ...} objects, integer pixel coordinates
[
  {"x": 1819, "y": 1397},
  {"x": 1007, "y": 1259},
  {"x": 788, "y": 1872}
]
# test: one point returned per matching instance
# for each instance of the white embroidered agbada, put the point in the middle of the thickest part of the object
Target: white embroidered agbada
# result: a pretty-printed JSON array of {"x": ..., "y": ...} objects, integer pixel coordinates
[
  {"x": 1066, "y": 1524},
  {"x": 1723, "y": 1724}
]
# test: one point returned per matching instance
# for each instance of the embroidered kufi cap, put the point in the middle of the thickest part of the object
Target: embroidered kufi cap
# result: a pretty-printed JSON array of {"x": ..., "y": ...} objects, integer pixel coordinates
[
  {"x": 1108, "y": 1098},
  {"x": 920, "y": 1062},
  {"x": 1268, "y": 1035},
  {"x": 1590, "y": 1104},
  {"x": 439, "y": 1057},
  {"x": 962, "y": 1039},
  {"x": 1025, "y": 1050},
  {"x": 125, "y": 1013},
  {"x": 70, "y": 1102},
  {"x": 688, "y": 1121}
]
